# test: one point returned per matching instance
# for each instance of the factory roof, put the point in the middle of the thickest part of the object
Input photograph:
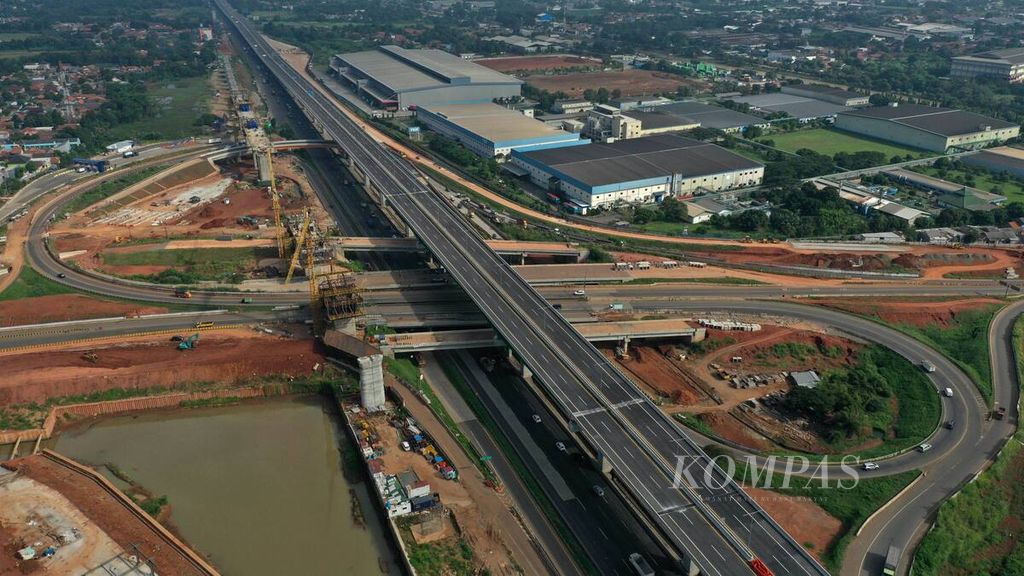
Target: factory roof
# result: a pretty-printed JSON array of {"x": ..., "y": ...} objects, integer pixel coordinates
[
  {"x": 658, "y": 120},
  {"x": 795, "y": 106},
  {"x": 826, "y": 90},
  {"x": 639, "y": 159},
  {"x": 941, "y": 121},
  {"x": 711, "y": 116},
  {"x": 1011, "y": 56},
  {"x": 495, "y": 123},
  {"x": 402, "y": 70}
]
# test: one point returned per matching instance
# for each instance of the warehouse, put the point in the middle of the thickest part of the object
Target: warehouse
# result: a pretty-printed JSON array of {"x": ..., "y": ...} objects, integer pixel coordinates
[
  {"x": 999, "y": 160},
  {"x": 708, "y": 116},
  {"x": 639, "y": 170},
  {"x": 493, "y": 131},
  {"x": 926, "y": 127},
  {"x": 802, "y": 108},
  {"x": 1006, "y": 65},
  {"x": 392, "y": 77},
  {"x": 827, "y": 93}
]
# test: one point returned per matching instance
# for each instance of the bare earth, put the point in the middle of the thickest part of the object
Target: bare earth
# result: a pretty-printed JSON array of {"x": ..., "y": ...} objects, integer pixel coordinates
[
  {"x": 629, "y": 82},
  {"x": 64, "y": 307},
  {"x": 805, "y": 521},
  {"x": 528, "y": 63},
  {"x": 227, "y": 356}
]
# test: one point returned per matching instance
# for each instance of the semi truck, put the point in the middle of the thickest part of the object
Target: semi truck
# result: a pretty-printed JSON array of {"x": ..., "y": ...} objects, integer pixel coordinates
[{"x": 182, "y": 293}]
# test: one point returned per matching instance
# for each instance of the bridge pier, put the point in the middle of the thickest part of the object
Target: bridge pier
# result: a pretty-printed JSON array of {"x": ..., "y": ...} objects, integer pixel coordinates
[{"x": 371, "y": 382}]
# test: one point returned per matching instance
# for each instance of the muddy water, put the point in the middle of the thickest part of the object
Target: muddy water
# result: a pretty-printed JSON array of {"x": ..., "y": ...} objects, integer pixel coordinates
[{"x": 257, "y": 488}]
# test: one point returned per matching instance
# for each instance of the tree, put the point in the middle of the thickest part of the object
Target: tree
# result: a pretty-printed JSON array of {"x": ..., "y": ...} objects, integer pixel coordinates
[
  {"x": 753, "y": 132},
  {"x": 672, "y": 210}
]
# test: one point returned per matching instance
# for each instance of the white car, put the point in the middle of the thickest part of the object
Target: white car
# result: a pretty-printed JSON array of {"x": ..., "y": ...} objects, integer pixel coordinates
[
  {"x": 870, "y": 466},
  {"x": 560, "y": 446},
  {"x": 536, "y": 418},
  {"x": 924, "y": 448},
  {"x": 580, "y": 293}
]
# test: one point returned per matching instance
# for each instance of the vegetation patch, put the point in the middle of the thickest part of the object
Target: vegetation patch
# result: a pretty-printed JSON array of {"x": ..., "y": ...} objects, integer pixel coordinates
[
  {"x": 978, "y": 532},
  {"x": 187, "y": 266},
  {"x": 108, "y": 188},
  {"x": 30, "y": 284},
  {"x": 831, "y": 142}
]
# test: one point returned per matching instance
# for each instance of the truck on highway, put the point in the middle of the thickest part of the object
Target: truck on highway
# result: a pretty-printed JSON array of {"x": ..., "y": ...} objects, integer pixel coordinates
[
  {"x": 892, "y": 560},
  {"x": 640, "y": 565},
  {"x": 182, "y": 293}
]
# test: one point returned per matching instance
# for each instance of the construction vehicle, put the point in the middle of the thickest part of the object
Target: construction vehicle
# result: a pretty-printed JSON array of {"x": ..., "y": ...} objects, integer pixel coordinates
[
  {"x": 304, "y": 232},
  {"x": 247, "y": 300},
  {"x": 90, "y": 357},
  {"x": 182, "y": 293},
  {"x": 203, "y": 324},
  {"x": 189, "y": 343}
]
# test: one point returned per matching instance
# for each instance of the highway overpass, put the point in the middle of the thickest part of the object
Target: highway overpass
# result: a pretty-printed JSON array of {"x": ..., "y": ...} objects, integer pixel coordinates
[{"x": 712, "y": 525}]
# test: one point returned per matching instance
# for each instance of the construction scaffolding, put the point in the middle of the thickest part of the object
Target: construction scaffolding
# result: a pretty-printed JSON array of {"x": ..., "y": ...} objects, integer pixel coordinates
[{"x": 339, "y": 296}]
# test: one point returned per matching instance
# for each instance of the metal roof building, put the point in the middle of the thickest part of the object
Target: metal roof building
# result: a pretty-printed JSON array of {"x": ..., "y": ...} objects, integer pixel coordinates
[
  {"x": 638, "y": 170},
  {"x": 393, "y": 77},
  {"x": 927, "y": 127},
  {"x": 800, "y": 107},
  {"x": 712, "y": 116},
  {"x": 490, "y": 130}
]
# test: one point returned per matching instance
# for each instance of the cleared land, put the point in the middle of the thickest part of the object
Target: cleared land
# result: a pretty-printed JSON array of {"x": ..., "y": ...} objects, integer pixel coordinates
[
  {"x": 531, "y": 63},
  {"x": 179, "y": 103},
  {"x": 831, "y": 142},
  {"x": 629, "y": 82}
]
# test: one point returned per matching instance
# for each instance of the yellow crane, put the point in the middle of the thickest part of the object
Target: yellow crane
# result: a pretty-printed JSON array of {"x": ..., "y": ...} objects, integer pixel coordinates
[
  {"x": 276, "y": 199},
  {"x": 300, "y": 242}
]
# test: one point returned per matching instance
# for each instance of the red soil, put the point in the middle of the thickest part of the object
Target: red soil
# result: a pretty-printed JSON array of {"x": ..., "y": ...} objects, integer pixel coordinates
[
  {"x": 527, "y": 63},
  {"x": 629, "y": 82},
  {"x": 66, "y": 307},
  {"x": 805, "y": 521},
  {"x": 915, "y": 313},
  {"x": 223, "y": 356}
]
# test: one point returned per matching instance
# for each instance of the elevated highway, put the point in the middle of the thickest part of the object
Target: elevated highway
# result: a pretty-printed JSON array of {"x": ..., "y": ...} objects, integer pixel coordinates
[{"x": 711, "y": 524}]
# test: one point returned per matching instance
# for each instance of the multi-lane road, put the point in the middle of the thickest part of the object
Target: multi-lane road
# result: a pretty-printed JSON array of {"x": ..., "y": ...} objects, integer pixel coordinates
[{"x": 615, "y": 419}]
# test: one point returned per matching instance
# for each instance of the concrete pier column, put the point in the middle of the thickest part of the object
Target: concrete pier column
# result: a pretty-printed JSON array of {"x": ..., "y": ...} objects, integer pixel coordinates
[{"x": 371, "y": 382}]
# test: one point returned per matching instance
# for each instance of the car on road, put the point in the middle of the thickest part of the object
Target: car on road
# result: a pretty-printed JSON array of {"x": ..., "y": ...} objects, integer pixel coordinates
[
  {"x": 62, "y": 275},
  {"x": 599, "y": 491},
  {"x": 247, "y": 300},
  {"x": 560, "y": 446},
  {"x": 924, "y": 448},
  {"x": 556, "y": 306},
  {"x": 927, "y": 366},
  {"x": 950, "y": 424},
  {"x": 870, "y": 466},
  {"x": 579, "y": 293},
  {"x": 948, "y": 392},
  {"x": 536, "y": 418}
]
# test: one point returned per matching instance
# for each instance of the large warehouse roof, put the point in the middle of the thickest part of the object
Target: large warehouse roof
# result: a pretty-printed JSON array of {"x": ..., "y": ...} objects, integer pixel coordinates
[
  {"x": 403, "y": 70},
  {"x": 639, "y": 159},
  {"x": 1012, "y": 56},
  {"x": 495, "y": 123},
  {"x": 711, "y": 116},
  {"x": 941, "y": 121},
  {"x": 795, "y": 106}
]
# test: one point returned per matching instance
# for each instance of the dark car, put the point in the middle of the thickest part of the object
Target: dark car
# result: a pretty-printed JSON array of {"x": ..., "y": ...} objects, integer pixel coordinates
[
  {"x": 950, "y": 424},
  {"x": 62, "y": 275}
]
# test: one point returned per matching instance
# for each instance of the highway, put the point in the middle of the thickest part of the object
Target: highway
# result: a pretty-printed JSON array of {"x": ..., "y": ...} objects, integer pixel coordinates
[{"x": 640, "y": 443}]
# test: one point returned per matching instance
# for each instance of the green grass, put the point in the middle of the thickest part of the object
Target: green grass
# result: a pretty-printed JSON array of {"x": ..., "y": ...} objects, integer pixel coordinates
[
  {"x": 32, "y": 284},
  {"x": 108, "y": 188},
  {"x": 852, "y": 505},
  {"x": 829, "y": 142},
  {"x": 409, "y": 374},
  {"x": 1012, "y": 189},
  {"x": 179, "y": 102},
  {"x": 449, "y": 557},
  {"x": 9, "y": 36},
  {"x": 192, "y": 265},
  {"x": 965, "y": 341},
  {"x": 727, "y": 280}
]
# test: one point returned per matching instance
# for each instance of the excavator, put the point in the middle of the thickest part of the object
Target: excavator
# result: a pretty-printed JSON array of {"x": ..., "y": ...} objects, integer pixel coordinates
[{"x": 189, "y": 343}]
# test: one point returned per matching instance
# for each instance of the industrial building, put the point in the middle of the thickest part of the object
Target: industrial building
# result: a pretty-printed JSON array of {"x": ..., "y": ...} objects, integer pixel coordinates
[
  {"x": 999, "y": 160},
  {"x": 926, "y": 127},
  {"x": 392, "y": 77},
  {"x": 493, "y": 131},
  {"x": 639, "y": 170},
  {"x": 1005, "y": 65},
  {"x": 802, "y": 108},
  {"x": 708, "y": 116},
  {"x": 607, "y": 124},
  {"x": 827, "y": 93}
]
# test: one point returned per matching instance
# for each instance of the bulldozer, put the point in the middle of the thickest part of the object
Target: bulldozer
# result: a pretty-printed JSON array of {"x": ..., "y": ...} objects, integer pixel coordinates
[{"x": 189, "y": 343}]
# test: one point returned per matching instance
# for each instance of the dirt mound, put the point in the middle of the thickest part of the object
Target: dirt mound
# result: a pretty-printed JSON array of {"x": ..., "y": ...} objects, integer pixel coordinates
[
  {"x": 915, "y": 313},
  {"x": 798, "y": 350},
  {"x": 652, "y": 368},
  {"x": 731, "y": 429},
  {"x": 867, "y": 262},
  {"x": 66, "y": 307}
]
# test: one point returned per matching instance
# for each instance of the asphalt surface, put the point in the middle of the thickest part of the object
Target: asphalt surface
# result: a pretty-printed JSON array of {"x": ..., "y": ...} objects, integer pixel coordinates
[{"x": 615, "y": 418}]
